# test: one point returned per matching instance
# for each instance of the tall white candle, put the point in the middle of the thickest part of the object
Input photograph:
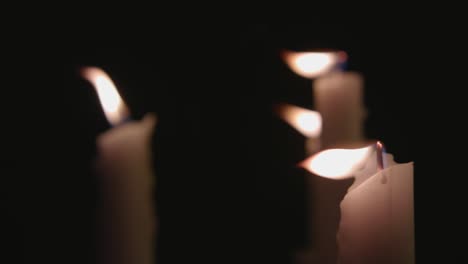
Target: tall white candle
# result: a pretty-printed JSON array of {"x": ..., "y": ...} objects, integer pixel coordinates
[
  {"x": 337, "y": 95},
  {"x": 124, "y": 164},
  {"x": 338, "y": 99}
]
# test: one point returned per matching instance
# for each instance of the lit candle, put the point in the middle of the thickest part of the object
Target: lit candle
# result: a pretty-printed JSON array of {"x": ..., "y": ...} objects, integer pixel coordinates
[
  {"x": 338, "y": 99},
  {"x": 124, "y": 164},
  {"x": 377, "y": 213},
  {"x": 337, "y": 94}
]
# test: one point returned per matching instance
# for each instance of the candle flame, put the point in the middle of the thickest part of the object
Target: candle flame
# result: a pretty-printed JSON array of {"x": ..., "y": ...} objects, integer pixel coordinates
[
  {"x": 114, "y": 107},
  {"x": 313, "y": 64},
  {"x": 307, "y": 122},
  {"x": 337, "y": 163}
]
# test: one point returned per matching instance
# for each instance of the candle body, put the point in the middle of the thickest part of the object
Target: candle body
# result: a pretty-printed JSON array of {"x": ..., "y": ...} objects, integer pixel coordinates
[
  {"x": 324, "y": 197},
  {"x": 377, "y": 218},
  {"x": 124, "y": 164},
  {"x": 312, "y": 145},
  {"x": 338, "y": 98}
]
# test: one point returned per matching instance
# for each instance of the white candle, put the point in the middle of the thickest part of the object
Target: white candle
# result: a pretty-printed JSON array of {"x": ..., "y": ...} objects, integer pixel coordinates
[
  {"x": 377, "y": 213},
  {"x": 337, "y": 95},
  {"x": 124, "y": 164},
  {"x": 338, "y": 99}
]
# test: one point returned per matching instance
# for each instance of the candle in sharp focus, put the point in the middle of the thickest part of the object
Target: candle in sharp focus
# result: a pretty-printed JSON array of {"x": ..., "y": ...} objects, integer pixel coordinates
[
  {"x": 124, "y": 164},
  {"x": 377, "y": 212}
]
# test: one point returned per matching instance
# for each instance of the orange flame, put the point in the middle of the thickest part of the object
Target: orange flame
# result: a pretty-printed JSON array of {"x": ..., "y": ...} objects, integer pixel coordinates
[
  {"x": 307, "y": 122},
  {"x": 337, "y": 163},
  {"x": 313, "y": 64},
  {"x": 114, "y": 107}
]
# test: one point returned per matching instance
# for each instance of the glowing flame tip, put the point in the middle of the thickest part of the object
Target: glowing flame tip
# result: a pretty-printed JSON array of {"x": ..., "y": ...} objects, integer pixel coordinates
[
  {"x": 114, "y": 107},
  {"x": 307, "y": 122},
  {"x": 313, "y": 64},
  {"x": 337, "y": 163}
]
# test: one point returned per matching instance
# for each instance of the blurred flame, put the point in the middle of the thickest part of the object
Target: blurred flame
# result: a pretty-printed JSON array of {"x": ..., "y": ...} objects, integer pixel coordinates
[
  {"x": 114, "y": 107},
  {"x": 337, "y": 163},
  {"x": 313, "y": 64},
  {"x": 307, "y": 122}
]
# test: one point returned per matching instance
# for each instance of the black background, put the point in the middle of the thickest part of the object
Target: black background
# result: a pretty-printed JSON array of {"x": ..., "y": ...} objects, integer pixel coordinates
[{"x": 227, "y": 188}]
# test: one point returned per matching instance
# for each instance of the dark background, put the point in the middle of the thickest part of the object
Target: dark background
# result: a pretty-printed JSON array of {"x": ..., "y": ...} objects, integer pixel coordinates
[{"x": 227, "y": 188}]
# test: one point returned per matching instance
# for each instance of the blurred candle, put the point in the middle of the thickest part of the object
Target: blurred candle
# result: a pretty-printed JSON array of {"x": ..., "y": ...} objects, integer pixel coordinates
[
  {"x": 337, "y": 94},
  {"x": 377, "y": 213},
  {"x": 124, "y": 164},
  {"x": 338, "y": 98}
]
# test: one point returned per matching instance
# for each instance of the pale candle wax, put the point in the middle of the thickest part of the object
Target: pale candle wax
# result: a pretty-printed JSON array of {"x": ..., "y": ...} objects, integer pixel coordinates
[
  {"x": 338, "y": 98},
  {"x": 377, "y": 212},
  {"x": 337, "y": 95},
  {"x": 377, "y": 215},
  {"x": 125, "y": 170}
]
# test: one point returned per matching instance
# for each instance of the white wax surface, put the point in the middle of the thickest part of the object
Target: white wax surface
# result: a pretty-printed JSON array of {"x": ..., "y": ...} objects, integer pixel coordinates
[
  {"x": 338, "y": 98},
  {"x": 377, "y": 218},
  {"x": 125, "y": 168}
]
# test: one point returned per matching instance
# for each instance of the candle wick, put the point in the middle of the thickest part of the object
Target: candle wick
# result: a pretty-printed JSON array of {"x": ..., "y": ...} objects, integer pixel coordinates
[{"x": 380, "y": 157}]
